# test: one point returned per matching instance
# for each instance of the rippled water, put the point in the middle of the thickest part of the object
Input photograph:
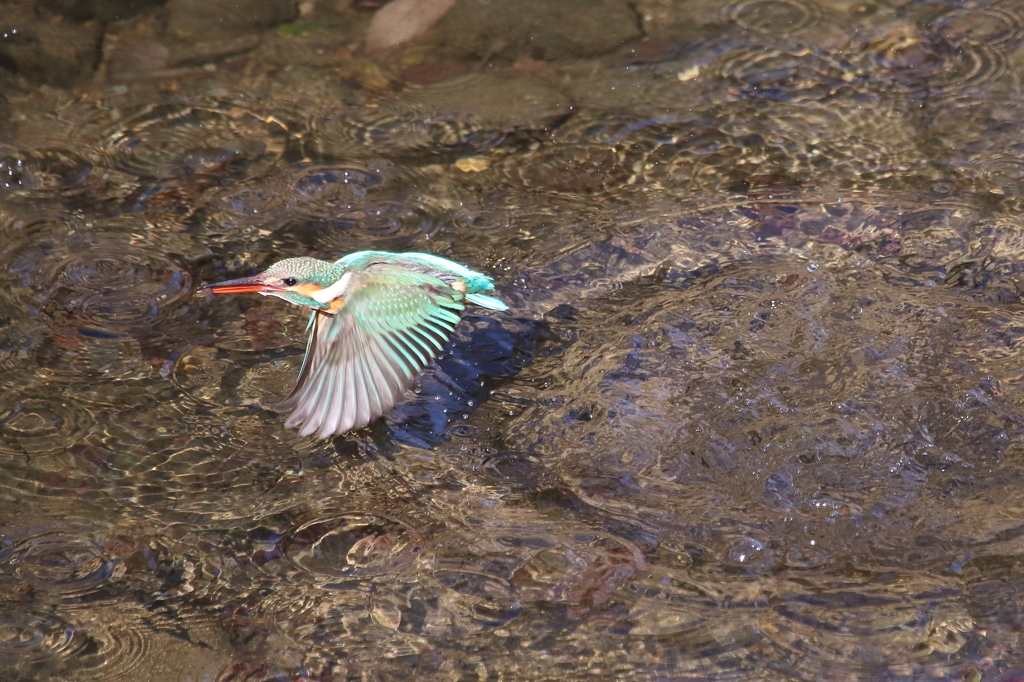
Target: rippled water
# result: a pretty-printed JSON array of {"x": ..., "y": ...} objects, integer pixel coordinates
[{"x": 756, "y": 411}]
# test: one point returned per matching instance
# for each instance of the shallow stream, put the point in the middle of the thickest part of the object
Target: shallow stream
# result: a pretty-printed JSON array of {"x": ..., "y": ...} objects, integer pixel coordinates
[{"x": 756, "y": 411}]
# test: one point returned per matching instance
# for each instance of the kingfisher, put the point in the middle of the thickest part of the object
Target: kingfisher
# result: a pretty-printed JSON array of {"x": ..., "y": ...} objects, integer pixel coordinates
[{"x": 377, "y": 320}]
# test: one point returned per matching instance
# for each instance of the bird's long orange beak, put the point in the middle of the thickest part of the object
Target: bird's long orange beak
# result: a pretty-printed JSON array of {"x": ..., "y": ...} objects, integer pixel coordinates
[{"x": 241, "y": 286}]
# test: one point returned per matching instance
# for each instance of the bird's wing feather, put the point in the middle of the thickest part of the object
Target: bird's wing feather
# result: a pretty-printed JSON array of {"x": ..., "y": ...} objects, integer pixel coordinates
[{"x": 360, "y": 361}]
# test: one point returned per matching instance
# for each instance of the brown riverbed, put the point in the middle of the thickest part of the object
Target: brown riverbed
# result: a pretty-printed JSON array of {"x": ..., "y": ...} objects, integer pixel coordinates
[{"x": 755, "y": 413}]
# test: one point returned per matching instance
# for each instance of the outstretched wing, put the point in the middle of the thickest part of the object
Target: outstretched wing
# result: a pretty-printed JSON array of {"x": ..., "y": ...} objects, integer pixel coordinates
[{"x": 361, "y": 360}]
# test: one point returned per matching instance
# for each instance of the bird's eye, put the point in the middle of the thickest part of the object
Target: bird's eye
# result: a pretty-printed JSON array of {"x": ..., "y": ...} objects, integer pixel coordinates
[{"x": 289, "y": 281}]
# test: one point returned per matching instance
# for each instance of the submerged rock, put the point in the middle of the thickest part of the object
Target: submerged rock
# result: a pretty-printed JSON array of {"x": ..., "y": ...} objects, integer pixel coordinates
[
  {"x": 477, "y": 29},
  {"x": 57, "y": 54},
  {"x": 202, "y": 20},
  {"x": 103, "y": 11},
  {"x": 833, "y": 410},
  {"x": 134, "y": 47}
]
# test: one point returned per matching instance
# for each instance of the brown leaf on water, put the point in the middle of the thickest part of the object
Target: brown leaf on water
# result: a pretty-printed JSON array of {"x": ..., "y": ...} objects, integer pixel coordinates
[{"x": 402, "y": 20}]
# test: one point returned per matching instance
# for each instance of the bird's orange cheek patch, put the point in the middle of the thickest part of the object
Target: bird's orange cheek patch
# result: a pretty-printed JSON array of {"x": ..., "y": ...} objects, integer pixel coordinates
[{"x": 307, "y": 290}]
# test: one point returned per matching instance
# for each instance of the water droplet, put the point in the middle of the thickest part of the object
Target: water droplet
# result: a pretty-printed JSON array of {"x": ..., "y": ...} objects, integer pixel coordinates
[{"x": 745, "y": 551}]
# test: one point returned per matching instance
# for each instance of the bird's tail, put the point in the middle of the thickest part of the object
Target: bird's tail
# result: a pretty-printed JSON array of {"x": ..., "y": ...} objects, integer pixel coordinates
[{"x": 484, "y": 301}]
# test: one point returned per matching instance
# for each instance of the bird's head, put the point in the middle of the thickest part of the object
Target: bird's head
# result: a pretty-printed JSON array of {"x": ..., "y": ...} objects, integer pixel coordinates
[{"x": 296, "y": 280}]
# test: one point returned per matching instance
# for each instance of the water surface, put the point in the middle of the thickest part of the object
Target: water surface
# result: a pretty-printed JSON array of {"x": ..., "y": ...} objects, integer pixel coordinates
[{"x": 756, "y": 411}]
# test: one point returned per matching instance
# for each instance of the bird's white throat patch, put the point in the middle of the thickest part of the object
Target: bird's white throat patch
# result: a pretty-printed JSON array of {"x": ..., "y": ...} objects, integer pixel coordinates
[{"x": 328, "y": 294}]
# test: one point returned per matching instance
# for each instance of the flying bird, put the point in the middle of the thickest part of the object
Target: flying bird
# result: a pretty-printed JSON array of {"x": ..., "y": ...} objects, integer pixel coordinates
[{"x": 377, "y": 320}]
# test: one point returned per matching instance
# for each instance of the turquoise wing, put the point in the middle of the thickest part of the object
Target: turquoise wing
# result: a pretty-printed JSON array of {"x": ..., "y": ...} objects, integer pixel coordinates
[{"x": 360, "y": 361}]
